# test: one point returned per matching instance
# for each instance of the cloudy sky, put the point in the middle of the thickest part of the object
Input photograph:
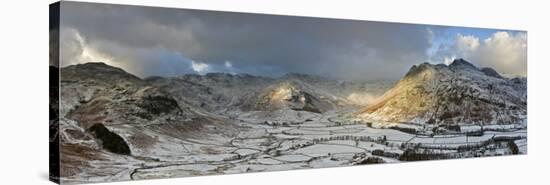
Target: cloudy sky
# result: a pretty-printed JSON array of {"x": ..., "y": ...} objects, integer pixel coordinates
[{"x": 150, "y": 41}]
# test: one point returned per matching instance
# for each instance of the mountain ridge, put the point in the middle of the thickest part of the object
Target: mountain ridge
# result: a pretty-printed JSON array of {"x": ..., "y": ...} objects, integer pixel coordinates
[{"x": 454, "y": 94}]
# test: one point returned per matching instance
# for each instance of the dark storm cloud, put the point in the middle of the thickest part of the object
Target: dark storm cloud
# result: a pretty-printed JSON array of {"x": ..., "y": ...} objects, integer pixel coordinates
[{"x": 160, "y": 41}]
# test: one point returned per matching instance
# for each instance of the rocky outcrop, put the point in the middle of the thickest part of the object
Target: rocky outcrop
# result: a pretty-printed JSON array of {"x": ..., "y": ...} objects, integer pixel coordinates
[
  {"x": 110, "y": 140},
  {"x": 157, "y": 105}
]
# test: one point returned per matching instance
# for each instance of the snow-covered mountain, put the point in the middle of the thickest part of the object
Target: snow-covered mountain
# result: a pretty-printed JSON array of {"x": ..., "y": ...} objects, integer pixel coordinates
[
  {"x": 356, "y": 93},
  {"x": 108, "y": 114},
  {"x": 222, "y": 93},
  {"x": 454, "y": 94},
  {"x": 112, "y": 125},
  {"x": 295, "y": 95},
  {"x": 213, "y": 92},
  {"x": 96, "y": 95}
]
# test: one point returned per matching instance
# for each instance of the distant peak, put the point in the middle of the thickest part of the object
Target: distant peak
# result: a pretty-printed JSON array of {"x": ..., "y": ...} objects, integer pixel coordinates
[
  {"x": 491, "y": 72},
  {"x": 302, "y": 76},
  {"x": 417, "y": 69},
  {"x": 461, "y": 63},
  {"x": 97, "y": 66},
  {"x": 294, "y": 74},
  {"x": 94, "y": 64},
  {"x": 244, "y": 75},
  {"x": 228, "y": 75},
  {"x": 97, "y": 63},
  {"x": 98, "y": 70},
  {"x": 218, "y": 74}
]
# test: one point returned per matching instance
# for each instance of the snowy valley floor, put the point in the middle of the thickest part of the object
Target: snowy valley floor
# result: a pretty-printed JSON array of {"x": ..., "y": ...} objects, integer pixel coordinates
[{"x": 318, "y": 141}]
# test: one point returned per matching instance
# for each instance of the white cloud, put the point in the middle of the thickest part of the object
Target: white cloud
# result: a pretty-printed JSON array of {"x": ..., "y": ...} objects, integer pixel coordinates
[
  {"x": 504, "y": 51},
  {"x": 74, "y": 49},
  {"x": 228, "y": 64},
  {"x": 449, "y": 60},
  {"x": 467, "y": 43},
  {"x": 200, "y": 67},
  {"x": 508, "y": 52}
]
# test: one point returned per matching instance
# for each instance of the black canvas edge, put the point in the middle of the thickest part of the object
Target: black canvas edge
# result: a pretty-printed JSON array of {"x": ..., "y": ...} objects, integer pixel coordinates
[{"x": 54, "y": 158}]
